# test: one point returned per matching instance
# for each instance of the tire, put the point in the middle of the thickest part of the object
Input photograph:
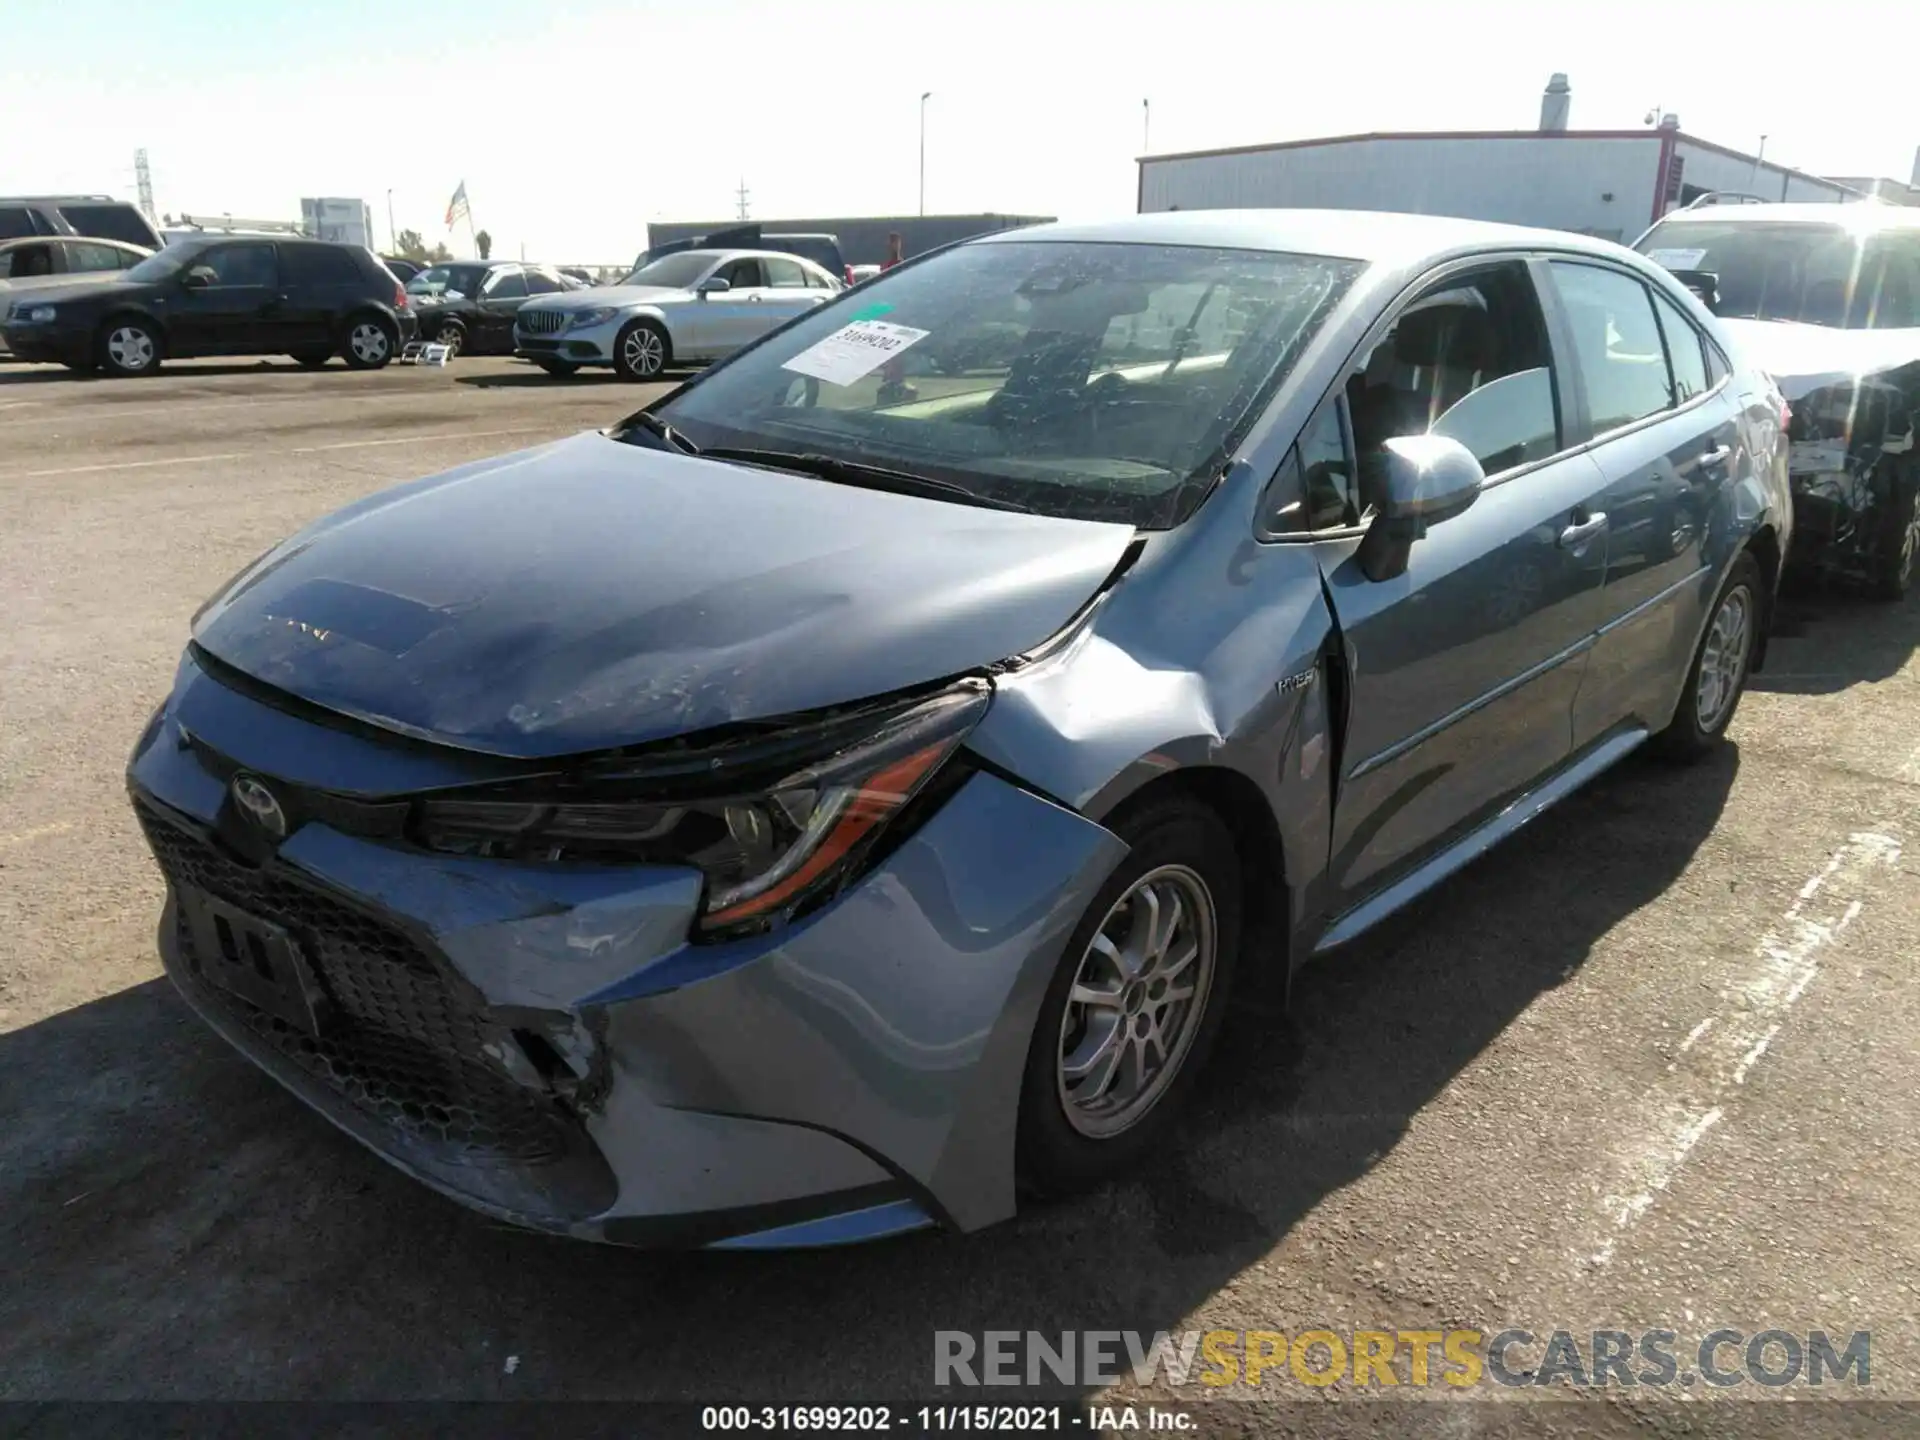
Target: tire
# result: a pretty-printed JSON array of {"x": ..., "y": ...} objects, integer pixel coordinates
[
  {"x": 1718, "y": 675},
  {"x": 1069, "y": 1137},
  {"x": 129, "y": 346},
  {"x": 1896, "y": 534},
  {"x": 453, "y": 335},
  {"x": 369, "y": 341},
  {"x": 313, "y": 359},
  {"x": 560, "y": 368},
  {"x": 642, "y": 351}
]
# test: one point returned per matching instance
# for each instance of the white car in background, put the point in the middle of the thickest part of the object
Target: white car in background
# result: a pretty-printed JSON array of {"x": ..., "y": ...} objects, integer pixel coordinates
[{"x": 689, "y": 307}]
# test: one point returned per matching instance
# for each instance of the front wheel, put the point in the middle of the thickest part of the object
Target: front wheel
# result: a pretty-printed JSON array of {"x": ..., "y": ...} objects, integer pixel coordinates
[
  {"x": 641, "y": 352},
  {"x": 1133, "y": 1010},
  {"x": 1720, "y": 666},
  {"x": 129, "y": 347},
  {"x": 453, "y": 335},
  {"x": 369, "y": 342}
]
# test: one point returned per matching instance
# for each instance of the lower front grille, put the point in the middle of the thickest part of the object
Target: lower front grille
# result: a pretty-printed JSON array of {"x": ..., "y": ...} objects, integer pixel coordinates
[{"x": 397, "y": 1044}]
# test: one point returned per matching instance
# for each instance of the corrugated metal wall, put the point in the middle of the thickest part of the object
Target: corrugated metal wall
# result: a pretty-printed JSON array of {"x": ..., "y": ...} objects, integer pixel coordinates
[
  {"x": 863, "y": 239},
  {"x": 1560, "y": 182},
  {"x": 1712, "y": 169}
]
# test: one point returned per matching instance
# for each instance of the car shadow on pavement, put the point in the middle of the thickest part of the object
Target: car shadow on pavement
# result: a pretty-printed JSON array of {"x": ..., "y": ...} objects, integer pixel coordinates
[
  {"x": 179, "y": 1227},
  {"x": 1828, "y": 636}
]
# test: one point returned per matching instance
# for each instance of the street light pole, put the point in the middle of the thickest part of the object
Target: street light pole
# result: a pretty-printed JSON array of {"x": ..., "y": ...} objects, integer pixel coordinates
[
  {"x": 1146, "y": 126},
  {"x": 924, "y": 97},
  {"x": 393, "y": 236}
]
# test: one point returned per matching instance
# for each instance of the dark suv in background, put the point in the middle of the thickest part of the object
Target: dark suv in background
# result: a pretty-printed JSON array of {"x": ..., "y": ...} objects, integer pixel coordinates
[
  {"x": 97, "y": 215},
  {"x": 222, "y": 296}
]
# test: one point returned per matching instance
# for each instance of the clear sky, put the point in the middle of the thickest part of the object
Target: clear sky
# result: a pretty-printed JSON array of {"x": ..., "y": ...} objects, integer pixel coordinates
[{"x": 574, "y": 122}]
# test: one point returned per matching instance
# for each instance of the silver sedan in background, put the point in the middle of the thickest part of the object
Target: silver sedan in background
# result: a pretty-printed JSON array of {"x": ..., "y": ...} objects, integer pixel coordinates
[{"x": 689, "y": 307}]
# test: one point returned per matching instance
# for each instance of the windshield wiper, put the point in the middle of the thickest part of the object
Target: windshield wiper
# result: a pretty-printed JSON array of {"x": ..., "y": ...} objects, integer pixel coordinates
[
  {"x": 867, "y": 477},
  {"x": 661, "y": 431}
]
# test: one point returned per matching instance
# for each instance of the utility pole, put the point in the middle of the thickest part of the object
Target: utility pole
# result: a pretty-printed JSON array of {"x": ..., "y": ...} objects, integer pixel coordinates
[
  {"x": 1755, "y": 176},
  {"x": 393, "y": 235},
  {"x": 741, "y": 196},
  {"x": 924, "y": 97},
  {"x": 1146, "y": 127},
  {"x": 143, "y": 179}
]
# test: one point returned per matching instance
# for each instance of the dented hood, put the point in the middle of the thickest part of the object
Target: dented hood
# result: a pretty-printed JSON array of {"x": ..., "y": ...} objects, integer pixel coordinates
[
  {"x": 1805, "y": 358},
  {"x": 591, "y": 594}
]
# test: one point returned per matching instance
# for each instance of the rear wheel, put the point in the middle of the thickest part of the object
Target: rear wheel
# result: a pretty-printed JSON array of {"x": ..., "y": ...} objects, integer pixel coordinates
[
  {"x": 369, "y": 342},
  {"x": 1896, "y": 533},
  {"x": 561, "y": 368},
  {"x": 1133, "y": 1010},
  {"x": 1720, "y": 666},
  {"x": 641, "y": 352},
  {"x": 129, "y": 346}
]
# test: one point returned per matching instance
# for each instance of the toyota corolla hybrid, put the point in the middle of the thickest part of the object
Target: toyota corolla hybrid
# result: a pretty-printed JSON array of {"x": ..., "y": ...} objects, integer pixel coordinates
[{"x": 852, "y": 787}]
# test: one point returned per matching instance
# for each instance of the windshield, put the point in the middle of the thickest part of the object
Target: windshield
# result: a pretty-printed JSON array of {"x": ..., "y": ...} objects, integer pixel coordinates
[
  {"x": 1815, "y": 274},
  {"x": 1098, "y": 381},
  {"x": 162, "y": 263},
  {"x": 674, "y": 272},
  {"x": 463, "y": 278}
]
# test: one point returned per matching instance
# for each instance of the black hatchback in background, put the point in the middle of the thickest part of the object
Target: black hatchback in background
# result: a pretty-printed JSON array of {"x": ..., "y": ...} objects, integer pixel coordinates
[{"x": 310, "y": 299}]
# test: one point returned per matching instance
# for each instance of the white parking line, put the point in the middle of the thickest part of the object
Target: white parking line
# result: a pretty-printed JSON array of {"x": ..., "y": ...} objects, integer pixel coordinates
[
  {"x": 104, "y": 410},
  {"x": 264, "y": 454},
  {"x": 1784, "y": 964}
]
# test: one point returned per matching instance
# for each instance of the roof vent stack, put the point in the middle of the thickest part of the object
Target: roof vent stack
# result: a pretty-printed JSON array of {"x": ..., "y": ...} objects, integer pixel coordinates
[{"x": 1555, "y": 103}]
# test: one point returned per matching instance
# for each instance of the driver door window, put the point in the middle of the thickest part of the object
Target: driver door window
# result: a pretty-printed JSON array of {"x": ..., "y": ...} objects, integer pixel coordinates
[
  {"x": 743, "y": 275},
  {"x": 1468, "y": 358},
  {"x": 511, "y": 285},
  {"x": 239, "y": 265}
]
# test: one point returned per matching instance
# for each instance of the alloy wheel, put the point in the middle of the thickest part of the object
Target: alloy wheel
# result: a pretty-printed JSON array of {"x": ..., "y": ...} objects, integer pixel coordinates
[
  {"x": 1723, "y": 659},
  {"x": 368, "y": 342},
  {"x": 642, "y": 351},
  {"x": 130, "y": 348},
  {"x": 1136, "y": 1002}
]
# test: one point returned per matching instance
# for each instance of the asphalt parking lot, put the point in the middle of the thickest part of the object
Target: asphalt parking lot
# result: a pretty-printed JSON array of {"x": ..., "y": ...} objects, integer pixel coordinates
[{"x": 1648, "y": 1067}]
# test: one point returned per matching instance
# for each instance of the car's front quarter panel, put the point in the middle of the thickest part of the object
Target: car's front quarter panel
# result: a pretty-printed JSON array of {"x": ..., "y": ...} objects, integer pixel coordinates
[
  {"x": 870, "y": 1053},
  {"x": 1205, "y": 654}
]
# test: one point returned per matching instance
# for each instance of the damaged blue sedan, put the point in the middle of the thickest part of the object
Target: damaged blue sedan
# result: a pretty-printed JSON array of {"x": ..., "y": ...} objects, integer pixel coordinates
[{"x": 846, "y": 794}]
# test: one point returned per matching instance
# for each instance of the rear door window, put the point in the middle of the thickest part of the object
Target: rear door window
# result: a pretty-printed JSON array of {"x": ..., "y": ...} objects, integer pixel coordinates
[
  {"x": 109, "y": 222},
  {"x": 509, "y": 286},
  {"x": 541, "y": 283},
  {"x": 744, "y": 274},
  {"x": 1684, "y": 352},
  {"x": 85, "y": 255},
  {"x": 784, "y": 274},
  {"x": 317, "y": 265},
  {"x": 16, "y": 222},
  {"x": 1616, "y": 344}
]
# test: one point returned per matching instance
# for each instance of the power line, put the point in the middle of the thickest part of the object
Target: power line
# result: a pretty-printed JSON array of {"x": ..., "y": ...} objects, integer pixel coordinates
[{"x": 742, "y": 194}]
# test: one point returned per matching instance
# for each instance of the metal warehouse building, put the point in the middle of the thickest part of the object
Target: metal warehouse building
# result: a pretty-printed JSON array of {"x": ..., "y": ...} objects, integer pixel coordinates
[
  {"x": 863, "y": 240},
  {"x": 1610, "y": 183}
]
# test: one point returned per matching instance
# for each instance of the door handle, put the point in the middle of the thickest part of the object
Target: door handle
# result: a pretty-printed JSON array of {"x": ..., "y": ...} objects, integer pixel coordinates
[
  {"x": 1581, "y": 531},
  {"x": 1719, "y": 455}
]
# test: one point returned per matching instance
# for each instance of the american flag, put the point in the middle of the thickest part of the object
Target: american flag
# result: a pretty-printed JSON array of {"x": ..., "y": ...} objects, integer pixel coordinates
[{"x": 457, "y": 207}]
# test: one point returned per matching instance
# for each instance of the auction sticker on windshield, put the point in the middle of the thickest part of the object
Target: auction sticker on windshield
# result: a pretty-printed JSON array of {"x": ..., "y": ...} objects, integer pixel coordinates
[
  {"x": 1677, "y": 259},
  {"x": 854, "y": 350}
]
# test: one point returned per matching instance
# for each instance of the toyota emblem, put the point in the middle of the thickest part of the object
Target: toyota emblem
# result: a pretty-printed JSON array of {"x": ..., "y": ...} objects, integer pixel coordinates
[{"x": 260, "y": 804}]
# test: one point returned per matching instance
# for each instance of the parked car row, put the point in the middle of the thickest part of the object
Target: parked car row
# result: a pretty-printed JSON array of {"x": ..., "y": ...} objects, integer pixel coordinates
[{"x": 848, "y": 793}]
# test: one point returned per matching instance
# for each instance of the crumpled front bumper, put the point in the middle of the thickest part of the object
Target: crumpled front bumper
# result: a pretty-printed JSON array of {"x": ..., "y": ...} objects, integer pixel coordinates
[{"x": 855, "y": 1075}]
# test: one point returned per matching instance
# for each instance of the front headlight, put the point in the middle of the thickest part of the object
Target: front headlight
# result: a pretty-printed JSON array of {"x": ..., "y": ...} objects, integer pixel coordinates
[
  {"x": 40, "y": 314},
  {"x": 768, "y": 848},
  {"x": 583, "y": 318}
]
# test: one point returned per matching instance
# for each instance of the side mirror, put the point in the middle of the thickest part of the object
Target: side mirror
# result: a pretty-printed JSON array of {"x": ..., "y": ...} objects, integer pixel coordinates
[
  {"x": 714, "y": 285},
  {"x": 1703, "y": 283},
  {"x": 199, "y": 277},
  {"x": 1421, "y": 480}
]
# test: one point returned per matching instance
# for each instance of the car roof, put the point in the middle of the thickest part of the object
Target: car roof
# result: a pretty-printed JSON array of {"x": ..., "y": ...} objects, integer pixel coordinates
[
  {"x": 1371, "y": 235},
  {"x": 750, "y": 255},
  {"x": 19, "y": 240},
  {"x": 1854, "y": 215}
]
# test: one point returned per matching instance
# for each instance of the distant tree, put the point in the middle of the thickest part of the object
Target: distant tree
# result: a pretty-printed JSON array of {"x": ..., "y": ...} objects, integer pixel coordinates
[
  {"x": 483, "y": 242},
  {"x": 440, "y": 254},
  {"x": 410, "y": 245}
]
